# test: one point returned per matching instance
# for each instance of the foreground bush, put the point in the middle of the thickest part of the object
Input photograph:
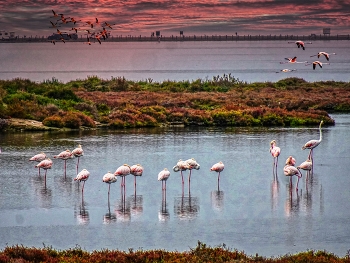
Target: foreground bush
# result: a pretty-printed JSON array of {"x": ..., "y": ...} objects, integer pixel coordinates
[{"x": 201, "y": 253}]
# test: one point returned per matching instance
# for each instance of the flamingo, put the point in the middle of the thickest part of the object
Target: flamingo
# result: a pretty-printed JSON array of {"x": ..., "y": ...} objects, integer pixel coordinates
[
  {"x": 44, "y": 164},
  {"x": 286, "y": 70},
  {"x": 38, "y": 158},
  {"x": 290, "y": 161},
  {"x": 322, "y": 53},
  {"x": 275, "y": 152},
  {"x": 218, "y": 167},
  {"x": 109, "y": 178},
  {"x": 291, "y": 60},
  {"x": 136, "y": 170},
  {"x": 181, "y": 166},
  {"x": 82, "y": 176},
  {"x": 64, "y": 156},
  {"x": 122, "y": 171},
  {"x": 192, "y": 164},
  {"x": 313, "y": 143},
  {"x": 163, "y": 176},
  {"x": 290, "y": 170},
  {"x": 78, "y": 152},
  {"x": 307, "y": 166},
  {"x": 300, "y": 44},
  {"x": 315, "y": 63}
]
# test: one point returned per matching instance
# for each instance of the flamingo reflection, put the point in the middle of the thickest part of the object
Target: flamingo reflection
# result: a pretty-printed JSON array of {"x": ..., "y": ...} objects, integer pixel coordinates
[
  {"x": 163, "y": 214},
  {"x": 109, "y": 217},
  {"x": 186, "y": 208},
  {"x": 292, "y": 205},
  {"x": 122, "y": 210},
  {"x": 136, "y": 206},
  {"x": 217, "y": 200},
  {"x": 82, "y": 215}
]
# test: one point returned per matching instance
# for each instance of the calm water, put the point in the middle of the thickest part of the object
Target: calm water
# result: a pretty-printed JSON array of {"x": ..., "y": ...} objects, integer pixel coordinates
[
  {"x": 248, "y": 61},
  {"x": 250, "y": 211}
]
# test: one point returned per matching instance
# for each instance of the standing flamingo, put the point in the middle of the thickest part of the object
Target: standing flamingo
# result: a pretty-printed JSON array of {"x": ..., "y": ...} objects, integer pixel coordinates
[
  {"x": 290, "y": 170},
  {"x": 109, "y": 178},
  {"x": 163, "y": 176},
  {"x": 136, "y": 170},
  {"x": 307, "y": 166},
  {"x": 122, "y": 171},
  {"x": 181, "y": 166},
  {"x": 218, "y": 167},
  {"x": 313, "y": 143},
  {"x": 64, "y": 156},
  {"x": 82, "y": 176},
  {"x": 192, "y": 164},
  {"x": 38, "y": 158},
  {"x": 45, "y": 164},
  {"x": 275, "y": 152},
  {"x": 78, "y": 152}
]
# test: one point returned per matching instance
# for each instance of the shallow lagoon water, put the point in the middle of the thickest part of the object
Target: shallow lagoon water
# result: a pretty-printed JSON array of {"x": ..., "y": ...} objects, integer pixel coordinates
[{"x": 250, "y": 210}]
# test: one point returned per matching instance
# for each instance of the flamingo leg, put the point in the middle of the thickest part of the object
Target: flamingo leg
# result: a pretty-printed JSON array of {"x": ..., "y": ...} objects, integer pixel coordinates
[
  {"x": 109, "y": 188},
  {"x": 45, "y": 177},
  {"x": 65, "y": 168},
  {"x": 39, "y": 171},
  {"x": 82, "y": 189},
  {"x": 297, "y": 183},
  {"x": 78, "y": 164}
]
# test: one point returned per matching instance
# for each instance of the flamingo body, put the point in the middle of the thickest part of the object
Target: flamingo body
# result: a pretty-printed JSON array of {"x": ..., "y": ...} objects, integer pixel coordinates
[
  {"x": 313, "y": 143},
  {"x": 77, "y": 152},
  {"x": 38, "y": 157},
  {"x": 45, "y": 164},
  {"x": 82, "y": 176},
  {"x": 65, "y": 155},
  {"x": 163, "y": 175},
  {"x": 325, "y": 54},
  {"x": 123, "y": 170},
  {"x": 192, "y": 164},
  {"x": 307, "y": 165},
  {"x": 136, "y": 170},
  {"x": 290, "y": 161},
  {"x": 109, "y": 178},
  {"x": 289, "y": 170},
  {"x": 300, "y": 44},
  {"x": 218, "y": 167}
]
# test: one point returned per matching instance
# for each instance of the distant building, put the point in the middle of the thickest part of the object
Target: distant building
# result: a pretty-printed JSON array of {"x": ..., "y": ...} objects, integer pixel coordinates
[{"x": 7, "y": 35}]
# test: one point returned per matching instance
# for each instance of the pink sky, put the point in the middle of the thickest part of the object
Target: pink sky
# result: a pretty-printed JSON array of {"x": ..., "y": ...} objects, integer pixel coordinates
[{"x": 205, "y": 17}]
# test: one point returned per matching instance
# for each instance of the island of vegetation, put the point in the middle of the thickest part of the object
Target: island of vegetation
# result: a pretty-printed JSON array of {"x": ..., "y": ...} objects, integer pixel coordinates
[{"x": 120, "y": 103}]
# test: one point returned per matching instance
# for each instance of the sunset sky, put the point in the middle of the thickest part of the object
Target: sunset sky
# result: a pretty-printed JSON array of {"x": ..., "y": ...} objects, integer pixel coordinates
[{"x": 204, "y": 17}]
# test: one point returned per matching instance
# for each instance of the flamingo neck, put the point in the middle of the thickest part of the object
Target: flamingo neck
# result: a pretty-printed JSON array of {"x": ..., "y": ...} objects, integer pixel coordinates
[{"x": 320, "y": 133}]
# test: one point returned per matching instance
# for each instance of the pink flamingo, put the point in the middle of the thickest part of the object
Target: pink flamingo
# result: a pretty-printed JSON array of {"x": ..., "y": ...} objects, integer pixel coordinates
[
  {"x": 64, "y": 156},
  {"x": 109, "y": 178},
  {"x": 163, "y": 176},
  {"x": 313, "y": 143},
  {"x": 38, "y": 158},
  {"x": 322, "y": 53},
  {"x": 82, "y": 176},
  {"x": 290, "y": 170},
  {"x": 315, "y": 63},
  {"x": 291, "y": 60},
  {"x": 307, "y": 166},
  {"x": 45, "y": 164},
  {"x": 290, "y": 161},
  {"x": 192, "y": 164},
  {"x": 136, "y": 170},
  {"x": 275, "y": 152},
  {"x": 122, "y": 171},
  {"x": 181, "y": 166},
  {"x": 218, "y": 167},
  {"x": 78, "y": 152}
]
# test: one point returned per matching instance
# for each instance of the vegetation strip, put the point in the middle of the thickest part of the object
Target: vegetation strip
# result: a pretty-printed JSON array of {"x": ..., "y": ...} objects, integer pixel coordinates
[{"x": 120, "y": 103}]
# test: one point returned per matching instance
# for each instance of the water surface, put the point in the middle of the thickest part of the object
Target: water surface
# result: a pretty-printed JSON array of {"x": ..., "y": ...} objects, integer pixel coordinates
[{"x": 250, "y": 210}]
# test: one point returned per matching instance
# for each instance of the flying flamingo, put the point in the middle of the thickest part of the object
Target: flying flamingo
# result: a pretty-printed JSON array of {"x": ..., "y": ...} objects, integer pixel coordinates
[
  {"x": 82, "y": 176},
  {"x": 109, "y": 178},
  {"x": 163, "y": 176},
  {"x": 122, "y": 171},
  {"x": 290, "y": 170},
  {"x": 218, "y": 167},
  {"x": 286, "y": 70},
  {"x": 300, "y": 44},
  {"x": 136, "y": 170},
  {"x": 290, "y": 161},
  {"x": 192, "y": 164},
  {"x": 307, "y": 166},
  {"x": 45, "y": 164},
  {"x": 64, "y": 156},
  {"x": 313, "y": 143},
  {"x": 38, "y": 158},
  {"x": 78, "y": 152},
  {"x": 275, "y": 152},
  {"x": 291, "y": 60},
  {"x": 322, "y": 53},
  {"x": 315, "y": 63}
]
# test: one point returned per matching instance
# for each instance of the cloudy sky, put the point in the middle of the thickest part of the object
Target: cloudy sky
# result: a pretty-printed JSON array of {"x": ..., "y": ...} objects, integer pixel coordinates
[{"x": 203, "y": 17}]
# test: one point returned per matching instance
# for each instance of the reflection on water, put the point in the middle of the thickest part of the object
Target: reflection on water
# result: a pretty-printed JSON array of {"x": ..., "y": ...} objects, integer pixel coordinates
[
  {"x": 292, "y": 203},
  {"x": 42, "y": 191},
  {"x": 122, "y": 209},
  {"x": 217, "y": 200},
  {"x": 163, "y": 213},
  {"x": 82, "y": 213},
  {"x": 275, "y": 189},
  {"x": 109, "y": 217},
  {"x": 186, "y": 207},
  {"x": 136, "y": 202}
]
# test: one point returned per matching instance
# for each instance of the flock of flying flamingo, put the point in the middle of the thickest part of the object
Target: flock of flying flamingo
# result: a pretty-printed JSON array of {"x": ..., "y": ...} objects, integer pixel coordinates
[
  {"x": 293, "y": 60},
  {"x": 93, "y": 29},
  {"x": 289, "y": 168}
]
